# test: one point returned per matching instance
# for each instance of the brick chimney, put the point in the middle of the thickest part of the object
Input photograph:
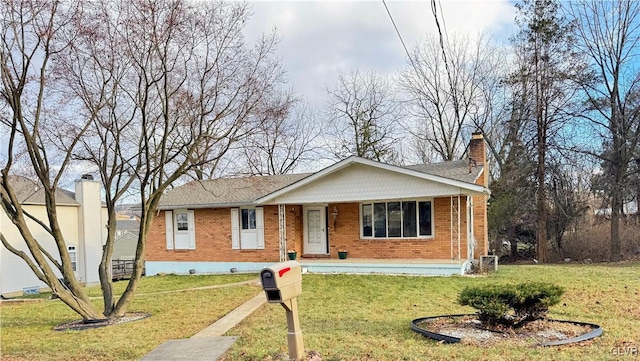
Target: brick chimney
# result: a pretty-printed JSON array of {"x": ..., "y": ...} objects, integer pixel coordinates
[{"x": 478, "y": 156}]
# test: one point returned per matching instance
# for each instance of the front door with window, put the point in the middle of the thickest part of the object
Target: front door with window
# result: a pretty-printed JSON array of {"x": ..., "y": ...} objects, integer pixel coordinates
[{"x": 315, "y": 230}]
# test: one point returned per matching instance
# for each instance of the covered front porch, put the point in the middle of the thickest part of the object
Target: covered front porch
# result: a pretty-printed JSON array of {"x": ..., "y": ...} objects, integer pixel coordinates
[
  {"x": 390, "y": 219},
  {"x": 317, "y": 233}
]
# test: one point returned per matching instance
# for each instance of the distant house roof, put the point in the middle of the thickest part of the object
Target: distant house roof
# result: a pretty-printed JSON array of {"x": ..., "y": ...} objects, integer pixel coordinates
[
  {"x": 131, "y": 225},
  {"x": 226, "y": 192},
  {"x": 30, "y": 192},
  {"x": 233, "y": 192}
]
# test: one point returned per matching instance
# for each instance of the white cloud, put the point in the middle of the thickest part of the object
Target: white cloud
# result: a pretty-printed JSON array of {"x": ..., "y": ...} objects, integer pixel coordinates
[{"x": 320, "y": 39}]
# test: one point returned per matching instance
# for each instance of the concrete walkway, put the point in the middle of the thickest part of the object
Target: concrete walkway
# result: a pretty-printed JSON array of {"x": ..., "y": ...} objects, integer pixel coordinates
[{"x": 208, "y": 344}]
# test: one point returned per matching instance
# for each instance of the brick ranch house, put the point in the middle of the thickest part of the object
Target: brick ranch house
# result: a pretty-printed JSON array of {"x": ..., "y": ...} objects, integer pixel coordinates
[{"x": 428, "y": 219}]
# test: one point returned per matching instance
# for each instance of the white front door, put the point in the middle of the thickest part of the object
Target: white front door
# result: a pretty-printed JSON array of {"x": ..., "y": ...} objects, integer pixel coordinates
[{"x": 315, "y": 230}]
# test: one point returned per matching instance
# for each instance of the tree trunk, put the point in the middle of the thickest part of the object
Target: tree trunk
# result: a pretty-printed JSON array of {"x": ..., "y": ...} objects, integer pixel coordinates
[
  {"x": 541, "y": 87},
  {"x": 541, "y": 216},
  {"x": 614, "y": 247},
  {"x": 82, "y": 306},
  {"x": 514, "y": 248}
]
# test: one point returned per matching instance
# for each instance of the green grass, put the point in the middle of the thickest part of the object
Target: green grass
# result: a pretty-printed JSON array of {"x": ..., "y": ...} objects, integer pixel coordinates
[
  {"x": 173, "y": 283},
  {"x": 368, "y": 317},
  {"x": 342, "y": 317},
  {"x": 26, "y": 328}
]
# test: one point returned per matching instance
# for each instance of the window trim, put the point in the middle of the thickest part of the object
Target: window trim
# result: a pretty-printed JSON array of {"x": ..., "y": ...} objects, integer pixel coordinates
[
  {"x": 237, "y": 230},
  {"x": 73, "y": 256},
  {"x": 176, "y": 214},
  {"x": 171, "y": 230},
  {"x": 416, "y": 201}
]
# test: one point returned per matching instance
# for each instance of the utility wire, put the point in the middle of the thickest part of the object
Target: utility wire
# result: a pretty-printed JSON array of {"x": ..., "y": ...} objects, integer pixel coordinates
[
  {"x": 444, "y": 23},
  {"x": 400, "y": 37},
  {"x": 454, "y": 93}
]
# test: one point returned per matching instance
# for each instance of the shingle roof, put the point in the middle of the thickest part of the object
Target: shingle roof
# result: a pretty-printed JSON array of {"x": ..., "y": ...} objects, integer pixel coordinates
[
  {"x": 128, "y": 224},
  {"x": 224, "y": 192},
  {"x": 457, "y": 169},
  {"x": 30, "y": 192}
]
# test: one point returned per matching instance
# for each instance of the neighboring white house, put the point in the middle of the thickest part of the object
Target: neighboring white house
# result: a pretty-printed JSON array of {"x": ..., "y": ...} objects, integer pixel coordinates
[
  {"x": 82, "y": 219},
  {"x": 124, "y": 246}
]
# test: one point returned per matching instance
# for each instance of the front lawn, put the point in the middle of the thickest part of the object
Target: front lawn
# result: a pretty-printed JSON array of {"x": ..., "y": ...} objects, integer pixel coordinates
[
  {"x": 26, "y": 328},
  {"x": 367, "y": 317},
  {"x": 343, "y": 317}
]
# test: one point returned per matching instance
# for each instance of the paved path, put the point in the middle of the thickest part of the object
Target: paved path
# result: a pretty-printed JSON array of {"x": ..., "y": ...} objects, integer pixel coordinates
[{"x": 208, "y": 344}]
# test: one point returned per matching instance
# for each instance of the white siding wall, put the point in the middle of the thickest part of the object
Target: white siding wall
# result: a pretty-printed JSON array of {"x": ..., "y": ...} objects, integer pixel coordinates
[
  {"x": 359, "y": 182},
  {"x": 14, "y": 273}
]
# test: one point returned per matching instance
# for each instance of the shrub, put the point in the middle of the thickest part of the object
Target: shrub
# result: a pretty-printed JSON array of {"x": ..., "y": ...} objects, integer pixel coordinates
[{"x": 511, "y": 305}]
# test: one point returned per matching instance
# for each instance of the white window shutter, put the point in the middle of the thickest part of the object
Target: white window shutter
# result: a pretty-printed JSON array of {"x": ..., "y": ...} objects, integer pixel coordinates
[
  {"x": 235, "y": 229},
  {"x": 260, "y": 227},
  {"x": 168, "y": 221},
  {"x": 192, "y": 229}
]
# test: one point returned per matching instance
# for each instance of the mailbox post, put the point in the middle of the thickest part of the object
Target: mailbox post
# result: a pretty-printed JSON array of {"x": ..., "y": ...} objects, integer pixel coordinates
[{"x": 282, "y": 283}]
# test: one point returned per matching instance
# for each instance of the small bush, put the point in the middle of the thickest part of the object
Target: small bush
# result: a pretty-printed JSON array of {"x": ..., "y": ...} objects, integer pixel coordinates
[{"x": 511, "y": 305}]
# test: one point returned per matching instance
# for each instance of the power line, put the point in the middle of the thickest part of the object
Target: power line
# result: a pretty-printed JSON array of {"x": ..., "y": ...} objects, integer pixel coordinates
[
  {"x": 400, "y": 37},
  {"x": 456, "y": 104}
]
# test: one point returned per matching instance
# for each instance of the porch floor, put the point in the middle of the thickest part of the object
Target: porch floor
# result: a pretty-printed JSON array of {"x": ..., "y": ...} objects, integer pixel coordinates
[{"x": 425, "y": 267}]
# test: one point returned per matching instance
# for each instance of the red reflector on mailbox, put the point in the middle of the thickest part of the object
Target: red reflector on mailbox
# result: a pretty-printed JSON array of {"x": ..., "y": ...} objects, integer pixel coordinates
[
  {"x": 282, "y": 281},
  {"x": 283, "y": 271}
]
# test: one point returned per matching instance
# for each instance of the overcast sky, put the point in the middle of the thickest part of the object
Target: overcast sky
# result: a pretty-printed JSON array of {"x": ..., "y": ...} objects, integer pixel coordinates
[{"x": 320, "y": 39}]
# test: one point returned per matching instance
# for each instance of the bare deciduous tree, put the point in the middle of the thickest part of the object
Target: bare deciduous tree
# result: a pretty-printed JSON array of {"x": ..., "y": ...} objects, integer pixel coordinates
[
  {"x": 609, "y": 34},
  {"x": 363, "y": 116},
  {"x": 161, "y": 87},
  {"x": 285, "y": 141},
  {"x": 448, "y": 85},
  {"x": 29, "y": 33}
]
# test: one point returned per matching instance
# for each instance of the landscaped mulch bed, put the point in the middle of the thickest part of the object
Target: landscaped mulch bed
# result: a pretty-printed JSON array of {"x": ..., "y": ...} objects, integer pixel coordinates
[
  {"x": 83, "y": 325},
  {"x": 470, "y": 331}
]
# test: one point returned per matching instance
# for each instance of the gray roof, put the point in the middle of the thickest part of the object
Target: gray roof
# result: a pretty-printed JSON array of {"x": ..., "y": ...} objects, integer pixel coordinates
[
  {"x": 232, "y": 192},
  {"x": 458, "y": 170},
  {"x": 128, "y": 225},
  {"x": 30, "y": 192},
  {"x": 225, "y": 192}
]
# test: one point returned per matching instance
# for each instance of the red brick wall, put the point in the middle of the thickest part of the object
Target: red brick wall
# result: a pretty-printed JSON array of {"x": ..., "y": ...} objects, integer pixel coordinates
[
  {"x": 346, "y": 234},
  {"x": 213, "y": 239},
  {"x": 480, "y": 228},
  {"x": 213, "y": 236},
  {"x": 294, "y": 229}
]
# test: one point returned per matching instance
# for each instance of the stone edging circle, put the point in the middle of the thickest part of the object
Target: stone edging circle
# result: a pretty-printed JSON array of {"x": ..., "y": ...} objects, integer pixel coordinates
[{"x": 597, "y": 331}]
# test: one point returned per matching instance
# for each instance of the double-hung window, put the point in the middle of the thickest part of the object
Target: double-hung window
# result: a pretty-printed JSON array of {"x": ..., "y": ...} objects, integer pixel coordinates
[
  {"x": 247, "y": 228},
  {"x": 397, "y": 219},
  {"x": 248, "y": 218},
  {"x": 73, "y": 257},
  {"x": 180, "y": 229}
]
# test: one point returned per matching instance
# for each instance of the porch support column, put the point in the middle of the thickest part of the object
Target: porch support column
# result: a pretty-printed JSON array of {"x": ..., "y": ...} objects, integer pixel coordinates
[
  {"x": 282, "y": 230},
  {"x": 455, "y": 227},
  {"x": 471, "y": 241}
]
